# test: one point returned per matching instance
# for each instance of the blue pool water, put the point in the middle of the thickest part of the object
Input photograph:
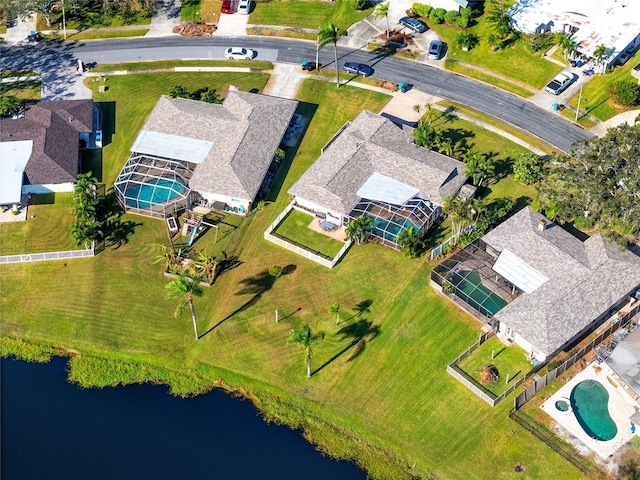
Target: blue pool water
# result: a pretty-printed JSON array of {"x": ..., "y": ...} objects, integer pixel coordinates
[
  {"x": 590, "y": 404},
  {"x": 389, "y": 231},
  {"x": 153, "y": 192}
]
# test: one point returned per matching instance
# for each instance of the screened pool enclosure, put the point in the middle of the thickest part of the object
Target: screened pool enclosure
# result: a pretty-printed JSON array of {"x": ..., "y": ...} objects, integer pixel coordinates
[
  {"x": 154, "y": 186},
  {"x": 389, "y": 220}
]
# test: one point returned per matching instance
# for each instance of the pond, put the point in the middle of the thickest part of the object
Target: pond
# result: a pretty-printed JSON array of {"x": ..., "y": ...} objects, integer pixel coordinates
[{"x": 52, "y": 429}]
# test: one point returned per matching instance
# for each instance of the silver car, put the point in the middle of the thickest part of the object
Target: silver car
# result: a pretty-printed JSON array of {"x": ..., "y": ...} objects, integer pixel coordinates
[{"x": 435, "y": 50}]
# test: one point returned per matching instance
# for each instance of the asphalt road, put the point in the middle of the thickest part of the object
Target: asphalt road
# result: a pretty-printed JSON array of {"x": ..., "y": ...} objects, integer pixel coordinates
[{"x": 56, "y": 63}]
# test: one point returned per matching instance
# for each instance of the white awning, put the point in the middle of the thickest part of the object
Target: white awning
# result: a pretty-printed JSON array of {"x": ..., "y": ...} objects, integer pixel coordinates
[
  {"x": 13, "y": 160},
  {"x": 521, "y": 274},
  {"x": 386, "y": 189},
  {"x": 170, "y": 146}
]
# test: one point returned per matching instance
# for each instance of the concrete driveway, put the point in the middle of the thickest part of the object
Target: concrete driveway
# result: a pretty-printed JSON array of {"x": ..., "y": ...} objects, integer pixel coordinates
[
  {"x": 546, "y": 100},
  {"x": 232, "y": 25}
]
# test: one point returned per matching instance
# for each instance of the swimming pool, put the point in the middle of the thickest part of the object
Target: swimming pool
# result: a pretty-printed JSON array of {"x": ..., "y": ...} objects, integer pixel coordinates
[
  {"x": 389, "y": 230},
  {"x": 155, "y": 191},
  {"x": 590, "y": 405},
  {"x": 471, "y": 290}
]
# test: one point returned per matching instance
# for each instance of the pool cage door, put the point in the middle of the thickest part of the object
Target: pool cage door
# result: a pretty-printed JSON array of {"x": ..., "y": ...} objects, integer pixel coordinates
[{"x": 153, "y": 186}]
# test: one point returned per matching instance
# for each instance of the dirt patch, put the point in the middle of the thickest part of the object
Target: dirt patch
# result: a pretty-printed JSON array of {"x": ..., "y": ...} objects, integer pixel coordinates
[
  {"x": 397, "y": 39},
  {"x": 192, "y": 29}
]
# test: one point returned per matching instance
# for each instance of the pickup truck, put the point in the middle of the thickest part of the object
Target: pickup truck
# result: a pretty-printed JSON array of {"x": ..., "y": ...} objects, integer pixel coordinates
[{"x": 559, "y": 84}]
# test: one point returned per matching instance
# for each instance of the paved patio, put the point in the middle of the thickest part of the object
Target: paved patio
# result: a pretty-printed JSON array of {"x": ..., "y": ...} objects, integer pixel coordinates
[
  {"x": 337, "y": 234},
  {"x": 621, "y": 407}
]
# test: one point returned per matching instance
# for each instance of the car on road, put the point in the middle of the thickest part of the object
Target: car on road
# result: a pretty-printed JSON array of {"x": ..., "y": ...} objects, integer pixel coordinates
[
  {"x": 358, "y": 69},
  {"x": 559, "y": 83},
  {"x": 239, "y": 53},
  {"x": 413, "y": 24},
  {"x": 435, "y": 50},
  {"x": 244, "y": 6},
  {"x": 227, "y": 6}
]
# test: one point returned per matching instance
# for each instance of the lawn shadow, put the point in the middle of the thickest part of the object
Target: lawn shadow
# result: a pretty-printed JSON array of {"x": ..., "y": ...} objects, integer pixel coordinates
[
  {"x": 458, "y": 135},
  {"x": 92, "y": 162},
  {"x": 117, "y": 232},
  {"x": 360, "y": 308},
  {"x": 435, "y": 237},
  {"x": 42, "y": 198},
  {"x": 255, "y": 286},
  {"x": 108, "y": 110},
  {"x": 361, "y": 333}
]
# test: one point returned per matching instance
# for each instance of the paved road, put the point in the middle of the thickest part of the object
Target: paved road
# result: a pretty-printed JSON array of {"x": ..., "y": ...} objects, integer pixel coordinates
[{"x": 56, "y": 64}]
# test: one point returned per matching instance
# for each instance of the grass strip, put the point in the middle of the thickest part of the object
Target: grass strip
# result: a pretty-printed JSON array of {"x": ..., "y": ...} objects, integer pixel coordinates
[
  {"x": 487, "y": 78},
  {"x": 98, "y": 34},
  {"x": 167, "y": 64}
]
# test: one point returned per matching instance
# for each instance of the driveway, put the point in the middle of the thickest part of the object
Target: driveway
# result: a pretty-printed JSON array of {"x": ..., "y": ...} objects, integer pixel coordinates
[
  {"x": 165, "y": 16},
  {"x": 232, "y": 25},
  {"x": 546, "y": 100}
]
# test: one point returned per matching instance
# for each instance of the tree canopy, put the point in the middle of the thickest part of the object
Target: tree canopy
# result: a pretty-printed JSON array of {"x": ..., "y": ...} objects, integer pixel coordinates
[{"x": 597, "y": 184}]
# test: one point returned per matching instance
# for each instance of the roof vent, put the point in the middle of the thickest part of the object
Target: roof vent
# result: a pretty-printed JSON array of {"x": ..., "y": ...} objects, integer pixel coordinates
[
  {"x": 542, "y": 224},
  {"x": 70, "y": 119}
]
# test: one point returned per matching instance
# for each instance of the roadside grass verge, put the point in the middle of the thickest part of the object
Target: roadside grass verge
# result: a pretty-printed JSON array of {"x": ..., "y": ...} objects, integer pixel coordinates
[
  {"x": 493, "y": 121},
  {"x": 96, "y": 34},
  {"x": 596, "y": 96},
  {"x": 91, "y": 19},
  {"x": 583, "y": 121},
  {"x": 379, "y": 392},
  {"x": 295, "y": 228},
  {"x": 514, "y": 61},
  {"x": 170, "y": 64},
  {"x": 488, "y": 78},
  {"x": 510, "y": 363},
  {"x": 282, "y": 32},
  {"x": 305, "y": 14},
  {"x": 18, "y": 73}
]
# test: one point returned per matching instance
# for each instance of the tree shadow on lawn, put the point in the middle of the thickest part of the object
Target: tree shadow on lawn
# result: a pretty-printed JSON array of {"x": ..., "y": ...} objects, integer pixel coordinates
[
  {"x": 115, "y": 232},
  {"x": 360, "y": 308},
  {"x": 361, "y": 333},
  {"x": 434, "y": 238}
]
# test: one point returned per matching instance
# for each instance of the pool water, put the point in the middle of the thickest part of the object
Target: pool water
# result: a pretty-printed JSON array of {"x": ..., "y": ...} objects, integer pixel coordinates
[
  {"x": 472, "y": 291},
  {"x": 388, "y": 230},
  {"x": 153, "y": 192},
  {"x": 590, "y": 404}
]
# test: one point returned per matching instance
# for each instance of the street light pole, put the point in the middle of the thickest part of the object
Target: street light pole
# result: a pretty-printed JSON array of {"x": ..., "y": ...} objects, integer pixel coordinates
[
  {"x": 578, "y": 109},
  {"x": 64, "y": 23}
]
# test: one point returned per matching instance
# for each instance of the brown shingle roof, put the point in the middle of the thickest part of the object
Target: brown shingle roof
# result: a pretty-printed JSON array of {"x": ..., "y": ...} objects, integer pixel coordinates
[
  {"x": 54, "y": 128},
  {"x": 585, "y": 279},
  {"x": 374, "y": 144},
  {"x": 245, "y": 131}
]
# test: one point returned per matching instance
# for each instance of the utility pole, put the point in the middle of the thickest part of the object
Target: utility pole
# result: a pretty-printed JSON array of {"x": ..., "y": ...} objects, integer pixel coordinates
[
  {"x": 64, "y": 23},
  {"x": 578, "y": 109}
]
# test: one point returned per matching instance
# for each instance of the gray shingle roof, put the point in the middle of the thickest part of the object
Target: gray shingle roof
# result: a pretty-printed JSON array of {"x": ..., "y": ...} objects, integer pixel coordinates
[
  {"x": 585, "y": 279},
  {"x": 245, "y": 130},
  {"x": 374, "y": 144},
  {"x": 54, "y": 128}
]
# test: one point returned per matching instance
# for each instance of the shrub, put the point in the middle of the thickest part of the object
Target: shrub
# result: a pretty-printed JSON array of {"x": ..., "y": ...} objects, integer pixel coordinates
[
  {"x": 583, "y": 222},
  {"x": 436, "y": 15},
  {"x": 528, "y": 168},
  {"x": 178, "y": 91},
  {"x": 451, "y": 16},
  {"x": 275, "y": 271},
  {"x": 360, "y": 4},
  {"x": 626, "y": 92},
  {"x": 467, "y": 40},
  {"x": 540, "y": 41},
  {"x": 9, "y": 105},
  {"x": 463, "y": 22},
  {"x": 421, "y": 9}
]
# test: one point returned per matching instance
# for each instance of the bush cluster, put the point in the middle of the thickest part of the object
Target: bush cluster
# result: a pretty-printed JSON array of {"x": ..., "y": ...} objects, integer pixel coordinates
[{"x": 626, "y": 92}]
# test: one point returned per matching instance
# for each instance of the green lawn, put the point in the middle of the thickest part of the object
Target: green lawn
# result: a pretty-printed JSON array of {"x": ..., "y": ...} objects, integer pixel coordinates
[
  {"x": 295, "y": 228},
  {"x": 514, "y": 61},
  {"x": 138, "y": 32},
  {"x": 307, "y": 14},
  {"x": 596, "y": 98},
  {"x": 379, "y": 392},
  {"x": 28, "y": 91},
  {"x": 510, "y": 362},
  {"x": 170, "y": 64},
  {"x": 488, "y": 78}
]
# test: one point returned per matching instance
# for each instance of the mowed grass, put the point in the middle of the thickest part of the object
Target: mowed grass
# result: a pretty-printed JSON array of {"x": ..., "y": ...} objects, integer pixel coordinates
[
  {"x": 28, "y": 91},
  {"x": 201, "y": 11},
  {"x": 170, "y": 64},
  {"x": 488, "y": 77},
  {"x": 510, "y": 363},
  {"x": 307, "y": 14},
  {"x": 514, "y": 61},
  {"x": 379, "y": 391},
  {"x": 95, "y": 34},
  {"x": 295, "y": 228},
  {"x": 596, "y": 94}
]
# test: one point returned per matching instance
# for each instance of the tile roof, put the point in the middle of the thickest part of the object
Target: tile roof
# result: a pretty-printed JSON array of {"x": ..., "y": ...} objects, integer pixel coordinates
[
  {"x": 585, "y": 279},
  {"x": 245, "y": 130},
  {"x": 54, "y": 127},
  {"x": 373, "y": 144}
]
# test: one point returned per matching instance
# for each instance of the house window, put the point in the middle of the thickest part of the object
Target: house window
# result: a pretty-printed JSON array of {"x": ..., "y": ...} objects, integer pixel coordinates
[{"x": 510, "y": 332}]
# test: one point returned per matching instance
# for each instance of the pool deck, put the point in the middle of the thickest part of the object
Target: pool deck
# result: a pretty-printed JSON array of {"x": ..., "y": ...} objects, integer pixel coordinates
[{"x": 621, "y": 407}]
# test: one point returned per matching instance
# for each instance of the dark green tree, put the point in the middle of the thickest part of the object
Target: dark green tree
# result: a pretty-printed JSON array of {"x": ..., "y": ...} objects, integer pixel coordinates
[
  {"x": 331, "y": 34},
  {"x": 305, "y": 338},
  {"x": 185, "y": 287},
  {"x": 357, "y": 229},
  {"x": 409, "y": 242}
]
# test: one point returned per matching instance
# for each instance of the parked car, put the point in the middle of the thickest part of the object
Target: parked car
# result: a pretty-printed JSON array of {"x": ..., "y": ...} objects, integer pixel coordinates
[
  {"x": 358, "y": 69},
  {"x": 559, "y": 83},
  {"x": 244, "y": 6},
  {"x": 413, "y": 24},
  {"x": 310, "y": 66},
  {"x": 239, "y": 53},
  {"x": 227, "y": 6},
  {"x": 435, "y": 50}
]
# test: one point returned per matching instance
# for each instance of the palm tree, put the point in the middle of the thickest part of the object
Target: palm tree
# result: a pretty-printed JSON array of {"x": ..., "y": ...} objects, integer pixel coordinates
[
  {"x": 209, "y": 265},
  {"x": 382, "y": 10},
  {"x": 479, "y": 168},
  {"x": 357, "y": 229},
  {"x": 456, "y": 209},
  {"x": 600, "y": 52},
  {"x": 567, "y": 44},
  {"x": 9, "y": 105},
  {"x": 426, "y": 136},
  {"x": 305, "y": 338},
  {"x": 330, "y": 34},
  {"x": 85, "y": 188},
  {"x": 335, "y": 308},
  {"x": 408, "y": 242},
  {"x": 185, "y": 287}
]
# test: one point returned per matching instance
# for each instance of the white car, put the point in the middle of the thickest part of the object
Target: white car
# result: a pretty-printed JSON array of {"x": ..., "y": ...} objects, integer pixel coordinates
[
  {"x": 559, "y": 84},
  {"x": 239, "y": 53},
  {"x": 244, "y": 6}
]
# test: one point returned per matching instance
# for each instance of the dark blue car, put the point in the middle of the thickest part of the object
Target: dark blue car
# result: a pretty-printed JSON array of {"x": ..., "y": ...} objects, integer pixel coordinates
[{"x": 358, "y": 69}]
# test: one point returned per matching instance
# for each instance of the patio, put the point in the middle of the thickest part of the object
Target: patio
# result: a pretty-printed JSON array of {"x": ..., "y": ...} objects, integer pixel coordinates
[{"x": 620, "y": 406}]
